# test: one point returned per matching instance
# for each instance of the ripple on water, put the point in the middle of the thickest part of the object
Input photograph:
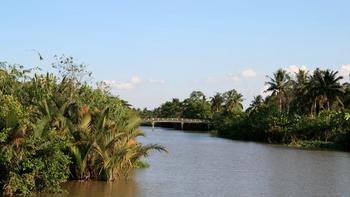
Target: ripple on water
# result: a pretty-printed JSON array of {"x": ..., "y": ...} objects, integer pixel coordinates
[{"x": 201, "y": 165}]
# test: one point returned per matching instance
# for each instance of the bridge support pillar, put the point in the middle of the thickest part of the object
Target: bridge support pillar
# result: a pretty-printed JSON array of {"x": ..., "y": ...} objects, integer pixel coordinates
[
  {"x": 182, "y": 125},
  {"x": 152, "y": 125}
]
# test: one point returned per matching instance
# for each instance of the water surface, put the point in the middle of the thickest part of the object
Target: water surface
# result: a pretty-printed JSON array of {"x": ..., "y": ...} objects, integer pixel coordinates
[{"x": 203, "y": 165}]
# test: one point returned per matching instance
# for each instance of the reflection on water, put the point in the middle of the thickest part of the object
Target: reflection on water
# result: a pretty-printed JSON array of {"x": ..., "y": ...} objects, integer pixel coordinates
[
  {"x": 202, "y": 165},
  {"x": 122, "y": 188}
]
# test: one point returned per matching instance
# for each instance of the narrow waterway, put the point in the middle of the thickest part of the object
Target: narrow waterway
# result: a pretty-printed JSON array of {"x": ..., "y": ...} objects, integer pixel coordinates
[{"x": 203, "y": 165}]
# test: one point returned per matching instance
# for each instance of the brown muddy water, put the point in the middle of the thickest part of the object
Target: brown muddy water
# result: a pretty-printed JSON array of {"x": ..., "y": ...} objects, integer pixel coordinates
[{"x": 203, "y": 165}]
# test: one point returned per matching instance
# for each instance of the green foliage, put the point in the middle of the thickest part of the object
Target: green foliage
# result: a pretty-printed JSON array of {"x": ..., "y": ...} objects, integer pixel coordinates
[
  {"x": 198, "y": 107},
  {"x": 98, "y": 99},
  {"x": 140, "y": 164},
  {"x": 145, "y": 113},
  {"x": 50, "y": 130},
  {"x": 297, "y": 112},
  {"x": 28, "y": 164},
  {"x": 279, "y": 85},
  {"x": 327, "y": 130},
  {"x": 215, "y": 132},
  {"x": 315, "y": 144},
  {"x": 302, "y": 107},
  {"x": 41, "y": 167},
  {"x": 68, "y": 69}
]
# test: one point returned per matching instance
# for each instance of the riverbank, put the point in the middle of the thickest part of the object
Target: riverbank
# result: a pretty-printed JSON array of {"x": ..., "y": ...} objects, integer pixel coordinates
[
  {"x": 304, "y": 144},
  {"x": 316, "y": 144},
  {"x": 327, "y": 130}
]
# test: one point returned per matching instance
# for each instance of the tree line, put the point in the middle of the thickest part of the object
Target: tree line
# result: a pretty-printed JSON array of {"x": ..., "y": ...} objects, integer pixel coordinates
[
  {"x": 57, "y": 127},
  {"x": 309, "y": 109}
]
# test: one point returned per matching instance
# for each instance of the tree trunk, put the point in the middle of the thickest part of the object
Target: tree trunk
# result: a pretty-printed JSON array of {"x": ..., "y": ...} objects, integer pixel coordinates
[
  {"x": 315, "y": 107},
  {"x": 328, "y": 104},
  {"x": 280, "y": 105}
]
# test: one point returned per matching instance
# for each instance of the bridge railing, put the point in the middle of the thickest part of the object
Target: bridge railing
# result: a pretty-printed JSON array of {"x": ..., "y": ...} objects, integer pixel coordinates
[{"x": 187, "y": 120}]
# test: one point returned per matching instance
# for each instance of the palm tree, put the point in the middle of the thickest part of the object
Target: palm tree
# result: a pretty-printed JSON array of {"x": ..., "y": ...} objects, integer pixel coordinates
[
  {"x": 233, "y": 100},
  {"x": 105, "y": 147},
  {"x": 117, "y": 148},
  {"x": 328, "y": 85},
  {"x": 310, "y": 90},
  {"x": 216, "y": 102},
  {"x": 346, "y": 101},
  {"x": 278, "y": 84},
  {"x": 299, "y": 87},
  {"x": 256, "y": 103}
]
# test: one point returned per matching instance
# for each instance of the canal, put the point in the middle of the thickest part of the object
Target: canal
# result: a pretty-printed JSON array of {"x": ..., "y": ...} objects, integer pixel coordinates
[{"x": 200, "y": 164}]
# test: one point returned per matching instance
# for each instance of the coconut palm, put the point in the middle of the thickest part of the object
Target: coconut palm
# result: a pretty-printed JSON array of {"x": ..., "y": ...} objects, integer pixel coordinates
[
  {"x": 232, "y": 100},
  {"x": 256, "y": 103},
  {"x": 328, "y": 85},
  {"x": 216, "y": 102},
  {"x": 310, "y": 90},
  {"x": 278, "y": 85},
  {"x": 299, "y": 87}
]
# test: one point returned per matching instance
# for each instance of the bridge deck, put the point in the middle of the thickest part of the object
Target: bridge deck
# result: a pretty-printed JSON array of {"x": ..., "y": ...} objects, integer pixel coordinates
[{"x": 176, "y": 120}]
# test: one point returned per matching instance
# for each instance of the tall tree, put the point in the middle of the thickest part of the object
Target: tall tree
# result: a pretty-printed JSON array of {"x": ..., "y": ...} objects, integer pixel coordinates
[
  {"x": 256, "y": 104},
  {"x": 299, "y": 86},
  {"x": 329, "y": 86},
  {"x": 278, "y": 84},
  {"x": 216, "y": 102},
  {"x": 232, "y": 100},
  {"x": 196, "y": 106},
  {"x": 196, "y": 95},
  {"x": 72, "y": 73},
  {"x": 311, "y": 91}
]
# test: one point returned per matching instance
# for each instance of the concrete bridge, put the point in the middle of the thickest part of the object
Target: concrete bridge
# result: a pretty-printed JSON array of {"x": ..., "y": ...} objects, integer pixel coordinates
[{"x": 175, "y": 120}]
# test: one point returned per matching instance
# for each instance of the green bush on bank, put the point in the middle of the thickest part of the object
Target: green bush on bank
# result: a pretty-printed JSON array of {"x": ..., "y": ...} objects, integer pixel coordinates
[
  {"x": 316, "y": 144},
  {"x": 51, "y": 130},
  {"x": 327, "y": 130},
  {"x": 140, "y": 164},
  {"x": 214, "y": 132}
]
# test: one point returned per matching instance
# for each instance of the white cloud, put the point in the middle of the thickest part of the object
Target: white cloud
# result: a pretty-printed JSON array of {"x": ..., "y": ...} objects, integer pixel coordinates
[
  {"x": 119, "y": 85},
  {"x": 344, "y": 71},
  {"x": 234, "y": 74},
  {"x": 234, "y": 79},
  {"x": 250, "y": 73},
  {"x": 156, "y": 81},
  {"x": 231, "y": 77},
  {"x": 211, "y": 80},
  {"x": 294, "y": 68},
  {"x": 136, "y": 80},
  {"x": 263, "y": 93}
]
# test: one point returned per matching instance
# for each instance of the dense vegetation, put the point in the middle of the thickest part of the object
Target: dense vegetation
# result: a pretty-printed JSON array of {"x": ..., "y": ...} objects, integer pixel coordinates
[
  {"x": 58, "y": 127},
  {"x": 309, "y": 110}
]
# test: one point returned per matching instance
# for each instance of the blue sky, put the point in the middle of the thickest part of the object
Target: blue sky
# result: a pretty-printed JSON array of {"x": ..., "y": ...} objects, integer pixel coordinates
[{"x": 153, "y": 51}]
